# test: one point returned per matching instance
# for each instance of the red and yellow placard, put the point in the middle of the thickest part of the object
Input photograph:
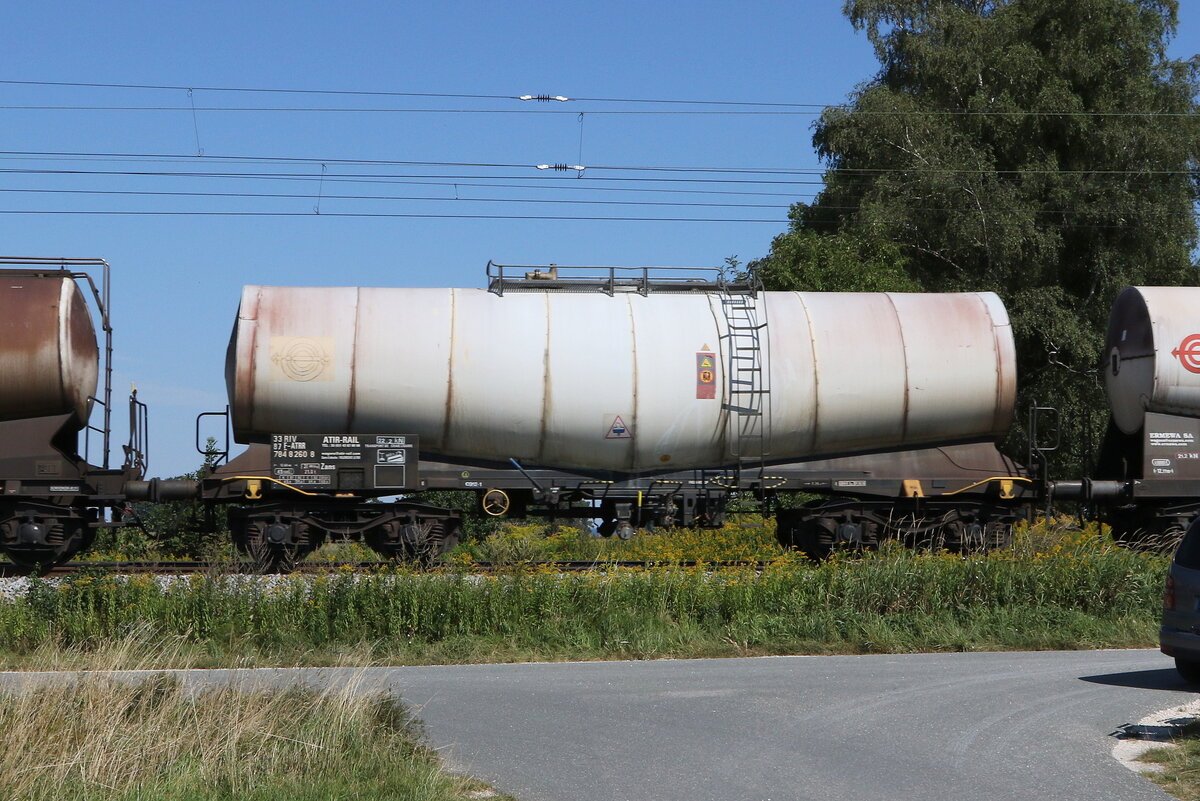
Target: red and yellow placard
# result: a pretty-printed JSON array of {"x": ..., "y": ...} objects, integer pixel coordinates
[{"x": 706, "y": 375}]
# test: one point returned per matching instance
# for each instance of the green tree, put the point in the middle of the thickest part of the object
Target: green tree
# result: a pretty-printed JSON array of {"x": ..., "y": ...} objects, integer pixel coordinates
[
  {"x": 1042, "y": 149},
  {"x": 802, "y": 260},
  {"x": 187, "y": 528}
]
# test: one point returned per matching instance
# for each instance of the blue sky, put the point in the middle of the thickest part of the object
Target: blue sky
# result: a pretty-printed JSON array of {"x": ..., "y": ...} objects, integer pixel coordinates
[{"x": 177, "y": 279}]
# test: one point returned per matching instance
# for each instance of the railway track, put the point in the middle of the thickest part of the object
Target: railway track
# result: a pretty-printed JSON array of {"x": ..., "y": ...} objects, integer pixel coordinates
[{"x": 236, "y": 568}]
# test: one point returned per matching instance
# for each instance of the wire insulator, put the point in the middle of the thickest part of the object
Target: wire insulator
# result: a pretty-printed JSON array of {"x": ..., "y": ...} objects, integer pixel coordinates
[
  {"x": 561, "y": 167},
  {"x": 545, "y": 98}
]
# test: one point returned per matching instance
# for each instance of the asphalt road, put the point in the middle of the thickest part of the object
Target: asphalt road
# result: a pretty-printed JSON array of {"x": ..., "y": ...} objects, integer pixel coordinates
[{"x": 922, "y": 726}]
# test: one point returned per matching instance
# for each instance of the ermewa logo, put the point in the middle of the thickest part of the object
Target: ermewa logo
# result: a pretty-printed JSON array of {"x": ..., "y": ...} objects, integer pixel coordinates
[{"x": 1188, "y": 353}]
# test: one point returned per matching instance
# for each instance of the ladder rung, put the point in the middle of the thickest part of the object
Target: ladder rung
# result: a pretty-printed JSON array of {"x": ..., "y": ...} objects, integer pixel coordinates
[
  {"x": 749, "y": 369},
  {"x": 740, "y": 409},
  {"x": 747, "y": 327},
  {"x": 743, "y": 382},
  {"x": 750, "y": 391}
]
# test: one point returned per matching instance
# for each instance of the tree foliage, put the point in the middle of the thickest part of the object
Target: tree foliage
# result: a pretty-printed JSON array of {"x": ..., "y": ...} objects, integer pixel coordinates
[
  {"x": 1042, "y": 149},
  {"x": 184, "y": 528},
  {"x": 802, "y": 260}
]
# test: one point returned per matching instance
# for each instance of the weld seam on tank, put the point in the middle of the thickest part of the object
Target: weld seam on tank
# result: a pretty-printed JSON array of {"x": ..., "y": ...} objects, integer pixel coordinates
[
  {"x": 816, "y": 373},
  {"x": 454, "y": 338},
  {"x": 766, "y": 426},
  {"x": 998, "y": 368},
  {"x": 251, "y": 375},
  {"x": 899, "y": 323},
  {"x": 547, "y": 380},
  {"x": 633, "y": 363},
  {"x": 352, "y": 400},
  {"x": 723, "y": 354},
  {"x": 63, "y": 344}
]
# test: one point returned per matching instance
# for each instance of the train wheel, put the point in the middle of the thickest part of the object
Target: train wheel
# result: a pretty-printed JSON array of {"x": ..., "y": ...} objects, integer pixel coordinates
[
  {"x": 35, "y": 543},
  {"x": 273, "y": 546},
  {"x": 997, "y": 534},
  {"x": 814, "y": 536},
  {"x": 422, "y": 541}
]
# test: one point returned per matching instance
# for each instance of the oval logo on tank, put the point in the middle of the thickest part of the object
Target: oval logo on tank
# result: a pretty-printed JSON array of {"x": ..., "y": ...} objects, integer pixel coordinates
[
  {"x": 301, "y": 359},
  {"x": 1188, "y": 353}
]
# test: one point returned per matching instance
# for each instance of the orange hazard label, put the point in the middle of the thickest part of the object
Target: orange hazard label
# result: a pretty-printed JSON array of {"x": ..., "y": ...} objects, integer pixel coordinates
[{"x": 706, "y": 376}]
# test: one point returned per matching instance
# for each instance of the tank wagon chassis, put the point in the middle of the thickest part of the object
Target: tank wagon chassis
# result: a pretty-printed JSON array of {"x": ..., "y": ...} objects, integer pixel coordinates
[{"x": 282, "y": 504}]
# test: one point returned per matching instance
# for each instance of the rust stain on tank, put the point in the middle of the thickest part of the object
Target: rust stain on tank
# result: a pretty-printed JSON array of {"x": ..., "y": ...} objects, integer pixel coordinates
[
  {"x": 80, "y": 354},
  {"x": 47, "y": 348},
  {"x": 241, "y": 362}
]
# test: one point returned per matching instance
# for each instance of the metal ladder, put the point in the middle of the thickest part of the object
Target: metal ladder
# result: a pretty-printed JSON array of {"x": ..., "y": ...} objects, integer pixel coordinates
[{"x": 749, "y": 394}]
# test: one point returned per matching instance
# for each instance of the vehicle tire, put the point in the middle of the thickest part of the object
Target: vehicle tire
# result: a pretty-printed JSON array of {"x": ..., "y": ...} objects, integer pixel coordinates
[{"x": 1189, "y": 669}]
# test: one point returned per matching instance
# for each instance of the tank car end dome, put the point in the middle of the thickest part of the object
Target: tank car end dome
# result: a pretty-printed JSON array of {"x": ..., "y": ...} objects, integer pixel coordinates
[{"x": 1152, "y": 354}]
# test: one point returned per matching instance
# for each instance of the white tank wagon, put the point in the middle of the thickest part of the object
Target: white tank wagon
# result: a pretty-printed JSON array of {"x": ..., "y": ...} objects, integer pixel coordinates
[
  {"x": 1153, "y": 354},
  {"x": 1150, "y": 457},
  {"x": 625, "y": 383}
]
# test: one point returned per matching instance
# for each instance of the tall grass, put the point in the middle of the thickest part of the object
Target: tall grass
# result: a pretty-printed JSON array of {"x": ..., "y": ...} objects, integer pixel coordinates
[
  {"x": 99, "y": 738},
  {"x": 1068, "y": 590}
]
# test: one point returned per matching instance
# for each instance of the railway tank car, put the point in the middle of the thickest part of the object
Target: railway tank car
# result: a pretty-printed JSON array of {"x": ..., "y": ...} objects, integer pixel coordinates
[
  {"x": 1149, "y": 463},
  {"x": 626, "y": 384},
  {"x": 53, "y": 499},
  {"x": 635, "y": 399}
]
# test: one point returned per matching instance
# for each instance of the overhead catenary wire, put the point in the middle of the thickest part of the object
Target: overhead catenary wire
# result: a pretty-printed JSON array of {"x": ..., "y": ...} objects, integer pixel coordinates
[
  {"x": 168, "y": 213},
  {"x": 397, "y": 215},
  {"x": 327, "y": 197},
  {"x": 604, "y": 112},
  {"x": 815, "y": 171},
  {"x": 347, "y": 176},
  {"x": 540, "y": 183},
  {"x": 971, "y": 210},
  {"x": 460, "y": 199},
  {"x": 798, "y": 108}
]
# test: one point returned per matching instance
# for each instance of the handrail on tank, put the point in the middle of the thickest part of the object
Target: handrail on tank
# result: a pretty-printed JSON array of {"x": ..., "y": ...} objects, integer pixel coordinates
[
  {"x": 213, "y": 455},
  {"x": 102, "y": 296},
  {"x": 136, "y": 451},
  {"x": 610, "y": 280}
]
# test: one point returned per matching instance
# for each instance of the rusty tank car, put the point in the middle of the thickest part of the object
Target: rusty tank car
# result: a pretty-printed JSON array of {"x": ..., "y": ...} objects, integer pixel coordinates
[{"x": 54, "y": 499}]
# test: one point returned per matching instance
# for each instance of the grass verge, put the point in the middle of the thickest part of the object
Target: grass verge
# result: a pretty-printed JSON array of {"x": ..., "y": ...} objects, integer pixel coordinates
[
  {"x": 1053, "y": 590},
  {"x": 1181, "y": 767},
  {"x": 108, "y": 740}
]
